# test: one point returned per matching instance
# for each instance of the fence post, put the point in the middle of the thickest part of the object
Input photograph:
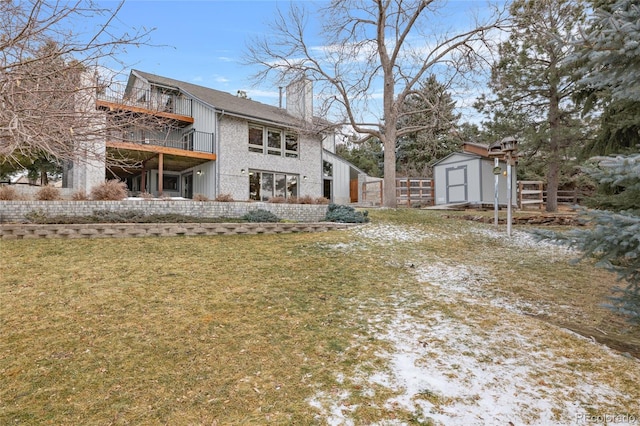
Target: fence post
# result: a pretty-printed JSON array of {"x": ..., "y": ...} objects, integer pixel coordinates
[{"x": 520, "y": 195}]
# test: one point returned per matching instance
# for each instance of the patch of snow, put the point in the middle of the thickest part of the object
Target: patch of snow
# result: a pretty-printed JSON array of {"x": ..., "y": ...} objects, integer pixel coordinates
[
  {"x": 458, "y": 278},
  {"x": 524, "y": 240},
  {"x": 386, "y": 234}
]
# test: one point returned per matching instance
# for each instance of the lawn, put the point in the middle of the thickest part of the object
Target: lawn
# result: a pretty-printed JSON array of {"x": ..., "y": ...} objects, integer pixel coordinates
[{"x": 411, "y": 319}]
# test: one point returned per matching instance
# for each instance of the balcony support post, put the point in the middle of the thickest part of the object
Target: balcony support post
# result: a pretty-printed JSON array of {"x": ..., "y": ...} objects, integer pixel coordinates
[{"x": 160, "y": 167}]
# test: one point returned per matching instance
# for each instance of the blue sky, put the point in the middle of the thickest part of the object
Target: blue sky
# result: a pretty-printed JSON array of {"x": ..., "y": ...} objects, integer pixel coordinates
[
  {"x": 200, "y": 42},
  {"x": 203, "y": 42}
]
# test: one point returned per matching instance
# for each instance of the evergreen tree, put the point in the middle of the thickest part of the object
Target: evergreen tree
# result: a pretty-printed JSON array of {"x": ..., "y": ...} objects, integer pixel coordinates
[
  {"x": 367, "y": 156},
  {"x": 612, "y": 64},
  {"x": 607, "y": 58},
  {"x": 429, "y": 110},
  {"x": 612, "y": 236},
  {"x": 532, "y": 89}
]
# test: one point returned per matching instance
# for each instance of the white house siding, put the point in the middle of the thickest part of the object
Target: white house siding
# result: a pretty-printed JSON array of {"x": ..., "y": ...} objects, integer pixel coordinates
[
  {"x": 204, "y": 121},
  {"x": 234, "y": 156},
  {"x": 329, "y": 142},
  {"x": 204, "y": 182},
  {"x": 341, "y": 178}
]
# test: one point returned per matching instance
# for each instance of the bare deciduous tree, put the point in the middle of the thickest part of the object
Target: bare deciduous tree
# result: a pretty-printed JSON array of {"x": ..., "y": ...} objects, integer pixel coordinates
[
  {"x": 48, "y": 78},
  {"x": 387, "y": 45}
]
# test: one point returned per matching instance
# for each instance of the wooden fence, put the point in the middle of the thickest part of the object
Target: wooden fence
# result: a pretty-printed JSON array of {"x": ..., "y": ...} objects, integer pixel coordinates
[
  {"x": 414, "y": 192},
  {"x": 410, "y": 192},
  {"x": 533, "y": 193}
]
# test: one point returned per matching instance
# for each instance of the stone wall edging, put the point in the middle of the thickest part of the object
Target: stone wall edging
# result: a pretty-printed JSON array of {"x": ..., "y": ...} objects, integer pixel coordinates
[
  {"x": 123, "y": 230},
  {"x": 16, "y": 211}
]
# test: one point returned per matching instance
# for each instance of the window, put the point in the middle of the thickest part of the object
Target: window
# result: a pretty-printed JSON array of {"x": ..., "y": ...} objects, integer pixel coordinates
[
  {"x": 273, "y": 141},
  {"x": 291, "y": 145},
  {"x": 169, "y": 183},
  {"x": 327, "y": 169},
  {"x": 265, "y": 185},
  {"x": 256, "y": 141}
]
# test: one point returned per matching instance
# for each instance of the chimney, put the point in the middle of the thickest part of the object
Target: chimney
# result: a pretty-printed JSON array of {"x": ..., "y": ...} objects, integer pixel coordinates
[{"x": 300, "y": 99}]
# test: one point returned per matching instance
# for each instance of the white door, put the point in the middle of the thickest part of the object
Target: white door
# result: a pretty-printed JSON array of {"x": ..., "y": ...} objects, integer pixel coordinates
[{"x": 456, "y": 184}]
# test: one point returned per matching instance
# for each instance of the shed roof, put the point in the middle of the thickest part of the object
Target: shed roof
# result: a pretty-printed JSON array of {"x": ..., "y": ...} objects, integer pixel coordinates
[{"x": 469, "y": 155}]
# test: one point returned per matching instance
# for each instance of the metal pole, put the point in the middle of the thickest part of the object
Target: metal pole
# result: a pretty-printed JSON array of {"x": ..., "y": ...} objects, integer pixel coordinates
[
  {"x": 509, "y": 194},
  {"x": 496, "y": 164}
]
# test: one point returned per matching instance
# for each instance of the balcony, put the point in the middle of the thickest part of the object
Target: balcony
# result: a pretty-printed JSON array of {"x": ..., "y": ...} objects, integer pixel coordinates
[
  {"x": 192, "y": 144},
  {"x": 156, "y": 101}
]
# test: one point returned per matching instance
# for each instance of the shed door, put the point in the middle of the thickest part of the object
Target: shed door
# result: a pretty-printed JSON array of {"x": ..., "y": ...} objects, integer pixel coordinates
[{"x": 456, "y": 184}]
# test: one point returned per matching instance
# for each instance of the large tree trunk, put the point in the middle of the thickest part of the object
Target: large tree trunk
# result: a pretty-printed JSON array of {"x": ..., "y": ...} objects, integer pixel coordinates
[
  {"x": 552, "y": 184},
  {"x": 389, "y": 193},
  {"x": 553, "y": 166}
]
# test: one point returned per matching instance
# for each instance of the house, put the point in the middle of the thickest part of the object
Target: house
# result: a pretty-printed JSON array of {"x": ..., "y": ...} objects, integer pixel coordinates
[
  {"x": 469, "y": 177},
  {"x": 178, "y": 139}
]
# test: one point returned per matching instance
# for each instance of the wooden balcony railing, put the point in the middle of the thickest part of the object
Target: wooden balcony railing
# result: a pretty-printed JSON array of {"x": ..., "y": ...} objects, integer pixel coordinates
[
  {"x": 193, "y": 141},
  {"x": 155, "y": 100}
]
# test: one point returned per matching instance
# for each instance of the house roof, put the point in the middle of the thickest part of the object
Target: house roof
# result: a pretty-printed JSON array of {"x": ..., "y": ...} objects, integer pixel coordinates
[{"x": 226, "y": 102}]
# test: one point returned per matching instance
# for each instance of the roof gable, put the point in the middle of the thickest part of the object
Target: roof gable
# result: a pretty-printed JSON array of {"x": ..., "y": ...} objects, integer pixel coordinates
[
  {"x": 226, "y": 102},
  {"x": 464, "y": 155}
]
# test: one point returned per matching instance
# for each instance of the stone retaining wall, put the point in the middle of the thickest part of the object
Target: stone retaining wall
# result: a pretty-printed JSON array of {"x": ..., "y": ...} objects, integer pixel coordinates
[
  {"x": 15, "y": 211},
  {"x": 120, "y": 230}
]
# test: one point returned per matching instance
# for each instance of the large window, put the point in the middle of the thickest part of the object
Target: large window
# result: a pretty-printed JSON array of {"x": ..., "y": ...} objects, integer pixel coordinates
[
  {"x": 272, "y": 141},
  {"x": 265, "y": 185}
]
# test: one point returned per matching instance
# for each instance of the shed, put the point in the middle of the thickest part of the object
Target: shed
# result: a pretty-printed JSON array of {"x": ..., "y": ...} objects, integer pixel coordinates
[{"x": 468, "y": 177}]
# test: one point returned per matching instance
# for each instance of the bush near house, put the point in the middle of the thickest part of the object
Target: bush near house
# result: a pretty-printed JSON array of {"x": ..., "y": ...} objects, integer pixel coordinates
[
  {"x": 306, "y": 199},
  {"x": 7, "y": 193},
  {"x": 346, "y": 214},
  {"x": 80, "y": 195},
  {"x": 224, "y": 198},
  {"x": 48, "y": 193},
  {"x": 200, "y": 197},
  {"x": 277, "y": 200},
  {"x": 110, "y": 190}
]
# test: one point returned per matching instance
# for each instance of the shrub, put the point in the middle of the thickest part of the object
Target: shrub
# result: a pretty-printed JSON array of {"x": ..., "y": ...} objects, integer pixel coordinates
[
  {"x": 292, "y": 200},
  {"x": 200, "y": 197},
  {"x": 321, "y": 200},
  {"x": 80, "y": 195},
  {"x": 277, "y": 200},
  {"x": 8, "y": 193},
  {"x": 110, "y": 190},
  {"x": 224, "y": 198},
  {"x": 306, "y": 199},
  {"x": 346, "y": 214},
  {"x": 36, "y": 216},
  {"x": 260, "y": 215},
  {"x": 146, "y": 196},
  {"x": 48, "y": 193}
]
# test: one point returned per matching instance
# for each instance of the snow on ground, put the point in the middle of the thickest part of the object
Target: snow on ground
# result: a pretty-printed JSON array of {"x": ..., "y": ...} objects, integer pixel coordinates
[
  {"x": 524, "y": 240},
  {"x": 386, "y": 234},
  {"x": 454, "y": 372}
]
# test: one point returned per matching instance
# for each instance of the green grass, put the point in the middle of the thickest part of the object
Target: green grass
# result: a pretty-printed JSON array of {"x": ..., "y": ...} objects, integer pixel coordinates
[{"x": 232, "y": 329}]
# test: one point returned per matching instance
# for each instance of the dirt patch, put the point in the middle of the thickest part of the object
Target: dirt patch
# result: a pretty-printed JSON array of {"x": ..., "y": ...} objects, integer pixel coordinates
[
  {"x": 622, "y": 343},
  {"x": 546, "y": 219}
]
